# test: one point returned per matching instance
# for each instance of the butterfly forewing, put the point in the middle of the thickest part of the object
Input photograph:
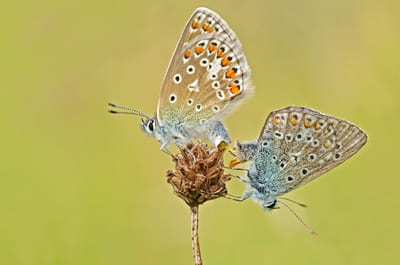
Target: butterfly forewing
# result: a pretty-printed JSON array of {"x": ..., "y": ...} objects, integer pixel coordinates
[
  {"x": 207, "y": 75},
  {"x": 204, "y": 21},
  {"x": 297, "y": 145}
]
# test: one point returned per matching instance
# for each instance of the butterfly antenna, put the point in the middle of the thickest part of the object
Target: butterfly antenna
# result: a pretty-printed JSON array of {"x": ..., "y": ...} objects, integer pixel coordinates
[
  {"x": 237, "y": 168},
  {"x": 129, "y": 110},
  {"x": 298, "y": 218},
  {"x": 295, "y": 202}
]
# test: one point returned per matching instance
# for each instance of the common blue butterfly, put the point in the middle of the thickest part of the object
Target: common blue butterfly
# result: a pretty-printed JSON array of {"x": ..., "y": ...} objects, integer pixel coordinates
[
  {"x": 296, "y": 145},
  {"x": 207, "y": 77}
]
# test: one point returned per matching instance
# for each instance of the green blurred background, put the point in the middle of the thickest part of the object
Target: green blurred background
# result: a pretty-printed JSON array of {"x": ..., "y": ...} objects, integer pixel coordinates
[{"x": 80, "y": 186}]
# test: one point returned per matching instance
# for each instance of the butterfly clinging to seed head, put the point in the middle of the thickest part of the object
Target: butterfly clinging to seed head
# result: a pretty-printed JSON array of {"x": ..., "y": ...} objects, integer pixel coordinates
[
  {"x": 296, "y": 145},
  {"x": 207, "y": 77}
]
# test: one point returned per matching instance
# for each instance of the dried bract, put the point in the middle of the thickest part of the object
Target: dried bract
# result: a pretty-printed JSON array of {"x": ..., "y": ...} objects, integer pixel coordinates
[{"x": 199, "y": 174}]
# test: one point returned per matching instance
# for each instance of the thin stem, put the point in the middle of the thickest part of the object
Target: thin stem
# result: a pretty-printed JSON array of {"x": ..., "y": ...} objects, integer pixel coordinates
[{"x": 195, "y": 235}]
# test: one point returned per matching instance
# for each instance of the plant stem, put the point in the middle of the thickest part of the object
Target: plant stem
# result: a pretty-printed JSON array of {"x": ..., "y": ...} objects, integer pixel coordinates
[{"x": 195, "y": 235}]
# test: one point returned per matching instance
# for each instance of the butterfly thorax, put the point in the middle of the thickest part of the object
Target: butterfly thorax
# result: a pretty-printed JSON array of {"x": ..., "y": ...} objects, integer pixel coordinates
[
  {"x": 245, "y": 152},
  {"x": 262, "y": 191},
  {"x": 165, "y": 133},
  {"x": 172, "y": 133}
]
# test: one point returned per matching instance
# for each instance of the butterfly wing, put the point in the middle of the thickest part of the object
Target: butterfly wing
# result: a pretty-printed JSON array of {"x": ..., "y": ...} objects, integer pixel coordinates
[
  {"x": 298, "y": 145},
  {"x": 208, "y": 73}
]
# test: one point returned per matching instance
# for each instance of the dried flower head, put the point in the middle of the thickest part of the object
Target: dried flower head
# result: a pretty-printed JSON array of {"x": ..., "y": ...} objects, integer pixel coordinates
[{"x": 199, "y": 174}]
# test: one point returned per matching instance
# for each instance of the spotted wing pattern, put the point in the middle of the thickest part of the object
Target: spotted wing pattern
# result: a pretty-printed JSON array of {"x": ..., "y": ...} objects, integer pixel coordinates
[
  {"x": 208, "y": 73},
  {"x": 298, "y": 144}
]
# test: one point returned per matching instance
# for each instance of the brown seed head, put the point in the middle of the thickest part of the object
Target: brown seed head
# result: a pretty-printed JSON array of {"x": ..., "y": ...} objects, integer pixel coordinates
[{"x": 199, "y": 174}]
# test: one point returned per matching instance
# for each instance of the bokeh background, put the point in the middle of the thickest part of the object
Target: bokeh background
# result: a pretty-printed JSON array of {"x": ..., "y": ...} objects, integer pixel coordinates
[{"x": 80, "y": 186}]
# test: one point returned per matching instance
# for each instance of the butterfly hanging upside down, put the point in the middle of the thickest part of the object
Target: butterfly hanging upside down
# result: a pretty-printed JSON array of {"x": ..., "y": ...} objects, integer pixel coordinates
[
  {"x": 296, "y": 145},
  {"x": 208, "y": 76}
]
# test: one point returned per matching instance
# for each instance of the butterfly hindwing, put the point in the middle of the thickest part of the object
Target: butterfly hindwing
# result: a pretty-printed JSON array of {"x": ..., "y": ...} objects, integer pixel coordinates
[{"x": 298, "y": 144}]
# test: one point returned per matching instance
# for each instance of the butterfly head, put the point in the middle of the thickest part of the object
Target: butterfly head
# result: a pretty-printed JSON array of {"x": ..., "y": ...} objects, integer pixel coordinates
[
  {"x": 149, "y": 126},
  {"x": 244, "y": 152},
  {"x": 262, "y": 196},
  {"x": 269, "y": 205}
]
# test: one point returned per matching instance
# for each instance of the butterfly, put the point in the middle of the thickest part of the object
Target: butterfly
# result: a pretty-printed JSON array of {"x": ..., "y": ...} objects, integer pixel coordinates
[
  {"x": 296, "y": 145},
  {"x": 208, "y": 76}
]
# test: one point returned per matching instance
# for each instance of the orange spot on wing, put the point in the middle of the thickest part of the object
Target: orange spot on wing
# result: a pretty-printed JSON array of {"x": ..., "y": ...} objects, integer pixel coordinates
[
  {"x": 195, "y": 25},
  {"x": 234, "y": 88},
  {"x": 327, "y": 145},
  {"x": 276, "y": 121},
  {"x": 220, "y": 54},
  {"x": 212, "y": 48},
  {"x": 293, "y": 121},
  {"x": 187, "y": 54},
  {"x": 230, "y": 74},
  {"x": 307, "y": 124},
  {"x": 207, "y": 28},
  {"x": 317, "y": 127},
  {"x": 326, "y": 132},
  {"x": 225, "y": 62},
  {"x": 198, "y": 49}
]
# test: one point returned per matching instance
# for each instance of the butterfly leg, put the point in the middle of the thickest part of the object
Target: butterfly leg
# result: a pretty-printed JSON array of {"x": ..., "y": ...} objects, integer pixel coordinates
[
  {"x": 238, "y": 198},
  {"x": 165, "y": 150},
  {"x": 242, "y": 179},
  {"x": 218, "y": 135},
  {"x": 234, "y": 163}
]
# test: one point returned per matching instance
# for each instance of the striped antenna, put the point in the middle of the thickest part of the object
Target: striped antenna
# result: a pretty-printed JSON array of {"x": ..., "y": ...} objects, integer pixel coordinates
[
  {"x": 129, "y": 111},
  {"x": 298, "y": 218}
]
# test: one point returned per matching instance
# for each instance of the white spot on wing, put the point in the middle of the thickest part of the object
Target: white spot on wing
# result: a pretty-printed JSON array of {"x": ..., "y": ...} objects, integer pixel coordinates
[
  {"x": 215, "y": 108},
  {"x": 190, "y": 69},
  {"x": 194, "y": 86},
  {"x": 177, "y": 78},
  {"x": 214, "y": 68},
  {"x": 220, "y": 94},
  {"x": 172, "y": 98},
  {"x": 198, "y": 107},
  {"x": 204, "y": 62},
  {"x": 215, "y": 84}
]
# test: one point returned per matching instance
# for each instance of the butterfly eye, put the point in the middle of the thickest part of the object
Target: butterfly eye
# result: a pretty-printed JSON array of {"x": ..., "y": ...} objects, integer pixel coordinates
[
  {"x": 150, "y": 125},
  {"x": 271, "y": 205}
]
